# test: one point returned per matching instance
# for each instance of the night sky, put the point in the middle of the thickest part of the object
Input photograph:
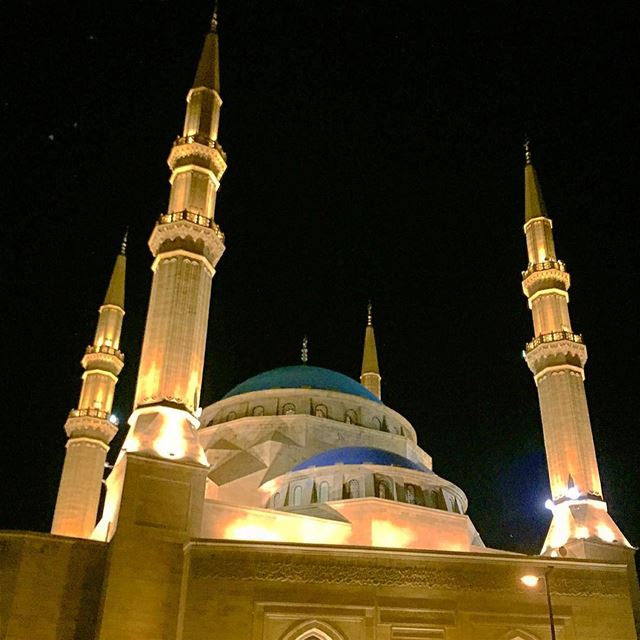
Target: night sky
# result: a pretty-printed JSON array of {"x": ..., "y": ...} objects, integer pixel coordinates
[{"x": 375, "y": 151}]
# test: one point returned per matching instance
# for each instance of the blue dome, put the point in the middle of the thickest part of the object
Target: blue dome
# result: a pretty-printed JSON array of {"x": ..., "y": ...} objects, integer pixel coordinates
[
  {"x": 302, "y": 377},
  {"x": 359, "y": 455}
]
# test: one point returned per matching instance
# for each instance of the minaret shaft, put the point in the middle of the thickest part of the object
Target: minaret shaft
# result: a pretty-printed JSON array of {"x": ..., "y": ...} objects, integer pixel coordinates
[{"x": 88, "y": 426}]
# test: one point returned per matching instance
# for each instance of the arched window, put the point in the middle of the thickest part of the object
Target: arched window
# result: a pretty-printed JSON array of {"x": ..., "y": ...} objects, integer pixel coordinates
[
  {"x": 321, "y": 411},
  {"x": 297, "y": 496},
  {"x": 313, "y": 630},
  {"x": 383, "y": 490},
  {"x": 323, "y": 492},
  {"x": 288, "y": 409},
  {"x": 410, "y": 494},
  {"x": 376, "y": 423},
  {"x": 276, "y": 499},
  {"x": 231, "y": 416},
  {"x": 350, "y": 417},
  {"x": 353, "y": 489},
  {"x": 258, "y": 411}
]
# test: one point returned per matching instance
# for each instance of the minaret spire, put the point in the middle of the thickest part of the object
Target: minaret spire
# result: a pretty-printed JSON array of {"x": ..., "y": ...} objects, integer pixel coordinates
[
  {"x": 370, "y": 372},
  {"x": 304, "y": 353},
  {"x": 91, "y": 427},
  {"x": 556, "y": 356}
]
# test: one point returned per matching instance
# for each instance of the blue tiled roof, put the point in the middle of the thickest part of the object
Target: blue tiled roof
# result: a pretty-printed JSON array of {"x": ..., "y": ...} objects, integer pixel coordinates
[
  {"x": 302, "y": 377},
  {"x": 359, "y": 455}
]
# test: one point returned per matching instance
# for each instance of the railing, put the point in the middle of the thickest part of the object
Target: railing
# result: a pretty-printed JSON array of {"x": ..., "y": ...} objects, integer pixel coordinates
[
  {"x": 543, "y": 266},
  {"x": 103, "y": 348},
  {"x": 200, "y": 139},
  {"x": 190, "y": 216},
  {"x": 554, "y": 336},
  {"x": 92, "y": 413}
]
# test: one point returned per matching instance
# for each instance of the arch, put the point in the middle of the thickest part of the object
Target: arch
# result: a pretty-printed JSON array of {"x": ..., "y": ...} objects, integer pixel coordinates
[
  {"x": 376, "y": 423},
  {"x": 321, "y": 411},
  {"x": 353, "y": 489},
  {"x": 232, "y": 415},
  {"x": 297, "y": 496},
  {"x": 288, "y": 409},
  {"x": 410, "y": 494},
  {"x": 276, "y": 499},
  {"x": 350, "y": 417},
  {"x": 384, "y": 489},
  {"x": 313, "y": 630},
  {"x": 258, "y": 411},
  {"x": 323, "y": 491}
]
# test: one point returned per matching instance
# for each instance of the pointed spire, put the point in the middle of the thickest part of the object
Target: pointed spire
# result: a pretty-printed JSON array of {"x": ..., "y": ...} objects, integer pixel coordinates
[
  {"x": 208, "y": 73},
  {"x": 304, "y": 353},
  {"x": 115, "y": 292},
  {"x": 534, "y": 206},
  {"x": 370, "y": 373}
]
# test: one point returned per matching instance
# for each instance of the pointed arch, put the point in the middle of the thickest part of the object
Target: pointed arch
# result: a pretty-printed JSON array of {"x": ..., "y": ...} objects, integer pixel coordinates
[{"x": 313, "y": 630}]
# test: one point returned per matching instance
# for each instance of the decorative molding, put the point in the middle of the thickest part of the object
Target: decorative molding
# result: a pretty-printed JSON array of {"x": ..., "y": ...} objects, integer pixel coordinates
[{"x": 211, "y": 564}]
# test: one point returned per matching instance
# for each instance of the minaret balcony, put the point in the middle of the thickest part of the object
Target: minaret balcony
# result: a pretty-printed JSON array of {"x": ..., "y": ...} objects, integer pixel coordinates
[
  {"x": 103, "y": 357},
  {"x": 557, "y": 348},
  {"x": 540, "y": 274},
  {"x": 90, "y": 423},
  {"x": 554, "y": 336},
  {"x": 188, "y": 231},
  {"x": 187, "y": 148},
  {"x": 190, "y": 216}
]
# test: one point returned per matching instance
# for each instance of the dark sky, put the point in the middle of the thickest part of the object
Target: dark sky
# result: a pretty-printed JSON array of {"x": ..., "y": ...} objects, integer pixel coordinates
[{"x": 375, "y": 151}]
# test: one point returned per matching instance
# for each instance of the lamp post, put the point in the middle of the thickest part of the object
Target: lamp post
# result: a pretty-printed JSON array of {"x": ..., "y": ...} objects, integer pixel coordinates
[{"x": 531, "y": 581}]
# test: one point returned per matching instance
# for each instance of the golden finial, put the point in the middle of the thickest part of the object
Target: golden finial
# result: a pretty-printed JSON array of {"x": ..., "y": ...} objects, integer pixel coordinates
[
  {"x": 304, "y": 354},
  {"x": 214, "y": 18},
  {"x": 123, "y": 246},
  {"x": 527, "y": 150},
  {"x": 369, "y": 314}
]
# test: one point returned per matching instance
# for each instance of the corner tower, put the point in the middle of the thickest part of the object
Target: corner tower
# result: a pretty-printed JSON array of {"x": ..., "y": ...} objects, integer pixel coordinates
[
  {"x": 556, "y": 356},
  {"x": 89, "y": 426},
  {"x": 370, "y": 375}
]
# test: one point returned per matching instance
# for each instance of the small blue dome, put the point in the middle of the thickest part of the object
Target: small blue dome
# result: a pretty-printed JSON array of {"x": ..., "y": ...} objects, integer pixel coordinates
[
  {"x": 359, "y": 455},
  {"x": 302, "y": 377}
]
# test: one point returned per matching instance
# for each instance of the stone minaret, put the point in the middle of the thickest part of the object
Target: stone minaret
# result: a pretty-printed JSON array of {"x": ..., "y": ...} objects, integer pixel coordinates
[
  {"x": 556, "y": 357},
  {"x": 186, "y": 244},
  {"x": 370, "y": 375},
  {"x": 89, "y": 427},
  {"x": 155, "y": 493}
]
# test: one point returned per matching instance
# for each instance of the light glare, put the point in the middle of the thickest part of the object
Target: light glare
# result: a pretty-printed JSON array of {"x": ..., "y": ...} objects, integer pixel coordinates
[{"x": 530, "y": 581}]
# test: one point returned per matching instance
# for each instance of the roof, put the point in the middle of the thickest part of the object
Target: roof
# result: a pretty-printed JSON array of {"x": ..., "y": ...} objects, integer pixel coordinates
[
  {"x": 360, "y": 455},
  {"x": 302, "y": 377}
]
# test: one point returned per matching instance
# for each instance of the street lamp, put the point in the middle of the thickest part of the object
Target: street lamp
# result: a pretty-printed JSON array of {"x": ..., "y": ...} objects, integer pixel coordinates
[{"x": 531, "y": 581}]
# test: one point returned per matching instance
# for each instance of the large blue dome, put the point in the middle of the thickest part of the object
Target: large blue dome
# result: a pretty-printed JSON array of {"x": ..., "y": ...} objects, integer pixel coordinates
[
  {"x": 302, "y": 377},
  {"x": 359, "y": 455}
]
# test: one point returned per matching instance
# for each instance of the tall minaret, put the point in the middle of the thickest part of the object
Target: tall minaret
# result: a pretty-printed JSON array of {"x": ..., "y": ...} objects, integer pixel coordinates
[
  {"x": 370, "y": 375},
  {"x": 186, "y": 244},
  {"x": 557, "y": 356},
  {"x": 89, "y": 427}
]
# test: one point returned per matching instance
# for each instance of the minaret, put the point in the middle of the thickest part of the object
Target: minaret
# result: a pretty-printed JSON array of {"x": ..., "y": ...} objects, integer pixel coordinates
[
  {"x": 370, "y": 375},
  {"x": 90, "y": 427},
  {"x": 556, "y": 357},
  {"x": 155, "y": 492},
  {"x": 186, "y": 244}
]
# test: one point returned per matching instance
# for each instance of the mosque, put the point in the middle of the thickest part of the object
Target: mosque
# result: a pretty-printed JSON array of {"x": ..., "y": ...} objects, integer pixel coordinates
[{"x": 299, "y": 506}]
